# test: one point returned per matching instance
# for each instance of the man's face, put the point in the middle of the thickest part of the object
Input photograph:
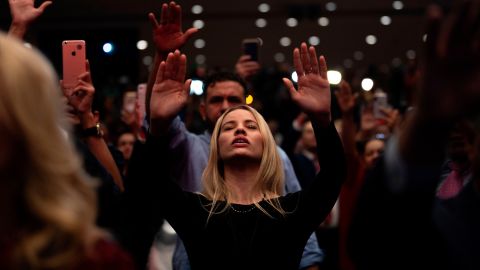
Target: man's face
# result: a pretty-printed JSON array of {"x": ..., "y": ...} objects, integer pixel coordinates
[
  {"x": 221, "y": 96},
  {"x": 308, "y": 137}
]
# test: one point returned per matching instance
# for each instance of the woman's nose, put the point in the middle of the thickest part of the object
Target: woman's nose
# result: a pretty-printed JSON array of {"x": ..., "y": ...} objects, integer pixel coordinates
[{"x": 240, "y": 130}]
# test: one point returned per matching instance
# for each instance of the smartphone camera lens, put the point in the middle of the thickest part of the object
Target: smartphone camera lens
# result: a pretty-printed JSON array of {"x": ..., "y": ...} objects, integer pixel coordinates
[
  {"x": 79, "y": 47},
  {"x": 74, "y": 53}
]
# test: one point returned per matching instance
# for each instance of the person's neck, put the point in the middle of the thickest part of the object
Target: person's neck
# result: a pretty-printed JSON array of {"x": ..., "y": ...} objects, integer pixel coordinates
[{"x": 240, "y": 178}]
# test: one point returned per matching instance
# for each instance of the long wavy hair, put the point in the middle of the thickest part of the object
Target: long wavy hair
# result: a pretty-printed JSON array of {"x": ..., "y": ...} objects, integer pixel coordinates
[
  {"x": 47, "y": 201},
  {"x": 270, "y": 177}
]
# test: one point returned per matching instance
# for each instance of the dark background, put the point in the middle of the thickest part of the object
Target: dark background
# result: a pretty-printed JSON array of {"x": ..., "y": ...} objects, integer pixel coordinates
[{"x": 226, "y": 24}]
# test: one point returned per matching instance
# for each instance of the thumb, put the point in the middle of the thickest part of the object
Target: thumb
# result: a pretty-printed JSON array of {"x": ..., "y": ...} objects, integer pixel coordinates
[
  {"x": 189, "y": 33},
  {"x": 289, "y": 85},
  {"x": 186, "y": 87},
  {"x": 44, "y": 5}
]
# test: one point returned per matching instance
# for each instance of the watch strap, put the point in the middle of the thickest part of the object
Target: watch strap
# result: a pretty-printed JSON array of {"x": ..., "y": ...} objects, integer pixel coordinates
[{"x": 94, "y": 131}]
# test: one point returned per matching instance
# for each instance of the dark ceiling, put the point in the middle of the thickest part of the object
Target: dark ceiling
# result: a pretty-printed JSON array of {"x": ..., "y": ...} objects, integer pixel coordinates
[{"x": 228, "y": 22}]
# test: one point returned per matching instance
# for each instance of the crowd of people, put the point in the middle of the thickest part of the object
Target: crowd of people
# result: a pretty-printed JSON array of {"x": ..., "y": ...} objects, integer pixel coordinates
[{"x": 367, "y": 187}]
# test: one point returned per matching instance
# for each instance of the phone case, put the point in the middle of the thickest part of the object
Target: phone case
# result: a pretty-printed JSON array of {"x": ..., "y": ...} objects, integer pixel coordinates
[{"x": 74, "y": 57}]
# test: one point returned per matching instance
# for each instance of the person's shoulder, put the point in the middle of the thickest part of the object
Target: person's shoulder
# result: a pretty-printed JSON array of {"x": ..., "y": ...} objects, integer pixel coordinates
[{"x": 107, "y": 254}]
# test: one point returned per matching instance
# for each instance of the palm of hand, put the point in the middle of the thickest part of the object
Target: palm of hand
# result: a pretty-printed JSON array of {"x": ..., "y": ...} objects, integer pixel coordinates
[
  {"x": 314, "y": 93},
  {"x": 168, "y": 37},
  {"x": 367, "y": 121},
  {"x": 168, "y": 98},
  {"x": 346, "y": 102},
  {"x": 23, "y": 10}
]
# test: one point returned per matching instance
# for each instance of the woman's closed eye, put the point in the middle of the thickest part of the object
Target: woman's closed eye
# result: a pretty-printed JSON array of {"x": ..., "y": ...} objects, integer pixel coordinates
[
  {"x": 252, "y": 126},
  {"x": 227, "y": 127}
]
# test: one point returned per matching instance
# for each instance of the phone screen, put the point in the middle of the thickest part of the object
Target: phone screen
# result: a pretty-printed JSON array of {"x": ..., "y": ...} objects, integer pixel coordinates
[{"x": 251, "y": 47}]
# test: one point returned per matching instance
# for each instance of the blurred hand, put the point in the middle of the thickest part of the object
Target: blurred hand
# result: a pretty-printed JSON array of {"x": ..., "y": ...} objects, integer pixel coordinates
[
  {"x": 451, "y": 85},
  {"x": 390, "y": 117},
  {"x": 23, "y": 11},
  {"x": 368, "y": 123},
  {"x": 345, "y": 98},
  {"x": 246, "y": 68},
  {"x": 167, "y": 34}
]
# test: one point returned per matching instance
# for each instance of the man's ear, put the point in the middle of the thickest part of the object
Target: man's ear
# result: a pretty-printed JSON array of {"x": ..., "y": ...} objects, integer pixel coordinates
[{"x": 202, "y": 110}]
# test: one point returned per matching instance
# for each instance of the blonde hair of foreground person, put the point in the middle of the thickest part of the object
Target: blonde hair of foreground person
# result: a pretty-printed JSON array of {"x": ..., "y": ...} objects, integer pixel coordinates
[
  {"x": 270, "y": 177},
  {"x": 47, "y": 207}
]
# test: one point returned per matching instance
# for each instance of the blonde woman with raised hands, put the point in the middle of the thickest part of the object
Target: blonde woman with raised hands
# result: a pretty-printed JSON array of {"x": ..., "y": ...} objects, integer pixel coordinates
[{"x": 240, "y": 220}]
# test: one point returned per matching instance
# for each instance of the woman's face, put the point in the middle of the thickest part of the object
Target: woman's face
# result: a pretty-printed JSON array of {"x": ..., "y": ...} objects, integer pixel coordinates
[
  {"x": 373, "y": 150},
  {"x": 240, "y": 137},
  {"x": 125, "y": 144}
]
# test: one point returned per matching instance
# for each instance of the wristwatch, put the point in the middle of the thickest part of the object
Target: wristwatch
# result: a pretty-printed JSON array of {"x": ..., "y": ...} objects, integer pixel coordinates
[{"x": 95, "y": 131}]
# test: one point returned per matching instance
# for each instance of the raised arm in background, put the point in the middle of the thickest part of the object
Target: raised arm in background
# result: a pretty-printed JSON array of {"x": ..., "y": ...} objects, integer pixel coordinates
[
  {"x": 23, "y": 14},
  {"x": 346, "y": 101},
  {"x": 81, "y": 98},
  {"x": 451, "y": 83},
  {"x": 167, "y": 36}
]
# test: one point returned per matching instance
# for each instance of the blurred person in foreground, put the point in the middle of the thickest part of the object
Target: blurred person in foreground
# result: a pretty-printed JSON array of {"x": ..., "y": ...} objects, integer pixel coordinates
[
  {"x": 47, "y": 206},
  {"x": 397, "y": 224}
]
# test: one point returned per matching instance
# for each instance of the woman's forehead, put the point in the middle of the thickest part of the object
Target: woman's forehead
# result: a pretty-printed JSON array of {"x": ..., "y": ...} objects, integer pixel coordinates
[{"x": 239, "y": 115}]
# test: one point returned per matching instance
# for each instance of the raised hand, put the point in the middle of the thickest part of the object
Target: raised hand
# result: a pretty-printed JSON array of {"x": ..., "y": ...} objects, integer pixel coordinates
[
  {"x": 368, "y": 123},
  {"x": 451, "y": 85},
  {"x": 167, "y": 34},
  {"x": 170, "y": 91},
  {"x": 390, "y": 118},
  {"x": 23, "y": 13},
  {"x": 246, "y": 68},
  {"x": 345, "y": 98},
  {"x": 313, "y": 94}
]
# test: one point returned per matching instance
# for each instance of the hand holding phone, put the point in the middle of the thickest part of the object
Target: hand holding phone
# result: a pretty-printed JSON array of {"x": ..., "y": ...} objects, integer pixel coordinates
[
  {"x": 380, "y": 101},
  {"x": 74, "y": 59},
  {"x": 130, "y": 101}
]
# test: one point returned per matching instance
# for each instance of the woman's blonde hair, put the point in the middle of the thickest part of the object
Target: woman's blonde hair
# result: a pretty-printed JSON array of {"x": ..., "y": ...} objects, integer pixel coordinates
[
  {"x": 270, "y": 177},
  {"x": 48, "y": 204}
]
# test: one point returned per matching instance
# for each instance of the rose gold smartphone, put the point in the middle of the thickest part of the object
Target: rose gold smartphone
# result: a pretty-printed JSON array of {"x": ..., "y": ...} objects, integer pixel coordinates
[{"x": 74, "y": 57}]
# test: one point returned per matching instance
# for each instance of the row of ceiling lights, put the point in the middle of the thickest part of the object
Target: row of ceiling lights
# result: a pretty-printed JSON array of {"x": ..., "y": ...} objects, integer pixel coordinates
[
  {"x": 293, "y": 22},
  {"x": 334, "y": 76}
]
